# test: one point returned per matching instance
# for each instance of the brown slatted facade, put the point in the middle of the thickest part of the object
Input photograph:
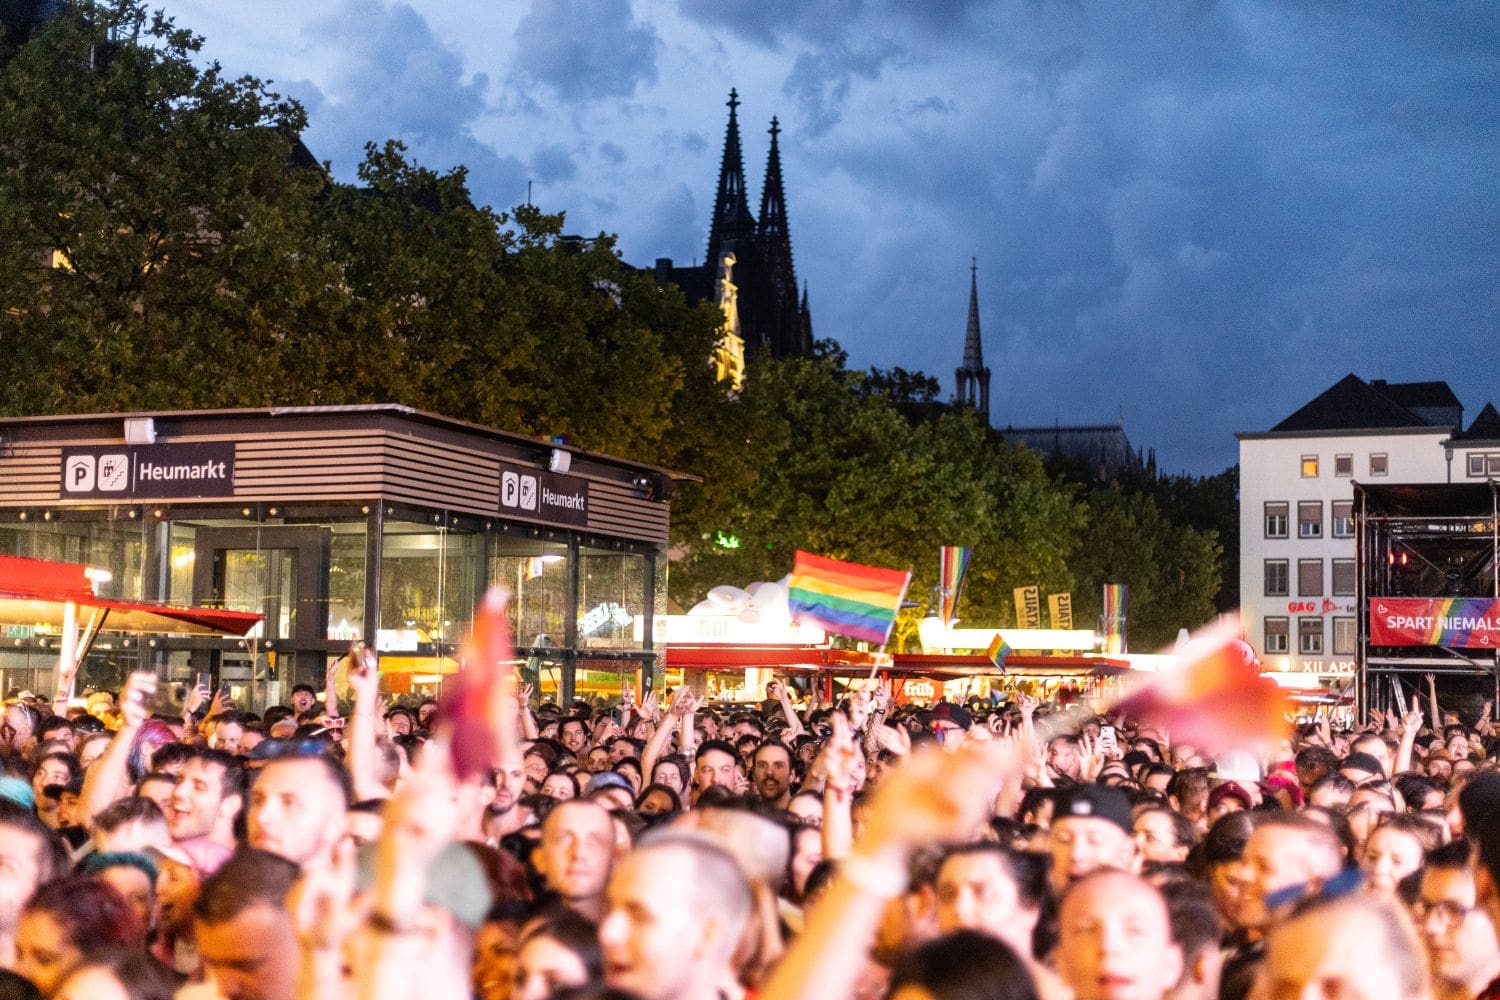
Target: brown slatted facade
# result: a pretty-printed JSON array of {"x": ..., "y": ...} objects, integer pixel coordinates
[{"x": 339, "y": 457}]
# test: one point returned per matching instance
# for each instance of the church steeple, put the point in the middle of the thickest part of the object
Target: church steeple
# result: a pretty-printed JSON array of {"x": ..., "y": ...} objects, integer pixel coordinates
[
  {"x": 974, "y": 378},
  {"x": 733, "y": 226},
  {"x": 779, "y": 276}
]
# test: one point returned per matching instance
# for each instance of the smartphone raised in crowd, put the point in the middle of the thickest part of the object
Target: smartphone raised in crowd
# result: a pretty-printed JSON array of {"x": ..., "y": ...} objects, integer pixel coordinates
[{"x": 1109, "y": 742}]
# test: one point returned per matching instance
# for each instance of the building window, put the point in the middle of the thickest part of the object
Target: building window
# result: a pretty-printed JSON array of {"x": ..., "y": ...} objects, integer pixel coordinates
[
  {"x": 1310, "y": 519},
  {"x": 1276, "y": 635},
  {"x": 1310, "y": 636},
  {"x": 1276, "y": 578},
  {"x": 1309, "y": 466},
  {"x": 1276, "y": 515},
  {"x": 1484, "y": 465},
  {"x": 1309, "y": 578},
  {"x": 1343, "y": 518},
  {"x": 1343, "y": 465},
  {"x": 1379, "y": 465},
  {"x": 1343, "y": 577},
  {"x": 1343, "y": 637}
]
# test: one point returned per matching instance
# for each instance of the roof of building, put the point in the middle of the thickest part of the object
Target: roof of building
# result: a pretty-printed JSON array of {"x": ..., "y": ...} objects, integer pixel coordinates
[
  {"x": 1351, "y": 403},
  {"x": 1417, "y": 394},
  {"x": 1486, "y": 426}
]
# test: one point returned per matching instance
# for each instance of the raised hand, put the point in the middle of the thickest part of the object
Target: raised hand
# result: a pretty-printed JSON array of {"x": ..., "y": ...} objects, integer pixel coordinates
[
  {"x": 684, "y": 704},
  {"x": 882, "y": 697},
  {"x": 840, "y": 756},
  {"x": 195, "y": 698},
  {"x": 364, "y": 675},
  {"x": 650, "y": 708},
  {"x": 1092, "y": 761},
  {"x": 135, "y": 699},
  {"x": 524, "y": 694}
]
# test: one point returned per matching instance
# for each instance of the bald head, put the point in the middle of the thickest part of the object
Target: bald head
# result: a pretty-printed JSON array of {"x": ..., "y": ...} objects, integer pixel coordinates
[
  {"x": 1115, "y": 939},
  {"x": 1353, "y": 946},
  {"x": 577, "y": 851}
]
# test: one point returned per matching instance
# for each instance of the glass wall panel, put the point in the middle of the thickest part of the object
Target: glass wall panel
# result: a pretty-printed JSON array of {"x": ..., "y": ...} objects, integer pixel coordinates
[
  {"x": 536, "y": 571},
  {"x": 611, "y": 595},
  {"x": 430, "y": 581}
]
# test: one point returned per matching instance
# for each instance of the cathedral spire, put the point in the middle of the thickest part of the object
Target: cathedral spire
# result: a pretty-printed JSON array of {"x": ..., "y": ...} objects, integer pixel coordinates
[
  {"x": 732, "y": 224},
  {"x": 973, "y": 379},
  {"x": 772, "y": 195},
  {"x": 778, "y": 275}
]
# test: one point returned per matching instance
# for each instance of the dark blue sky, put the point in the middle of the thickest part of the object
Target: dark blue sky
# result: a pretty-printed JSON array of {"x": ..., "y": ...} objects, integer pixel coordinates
[{"x": 1196, "y": 213}]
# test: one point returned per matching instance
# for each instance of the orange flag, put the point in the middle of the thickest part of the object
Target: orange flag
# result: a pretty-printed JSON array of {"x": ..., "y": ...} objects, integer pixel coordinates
[
  {"x": 479, "y": 707},
  {"x": 1215, "y": 700}
]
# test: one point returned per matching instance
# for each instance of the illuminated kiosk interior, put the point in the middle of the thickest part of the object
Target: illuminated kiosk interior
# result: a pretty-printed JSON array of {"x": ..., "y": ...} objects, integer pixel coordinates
[{"x": 380, "y": 523}]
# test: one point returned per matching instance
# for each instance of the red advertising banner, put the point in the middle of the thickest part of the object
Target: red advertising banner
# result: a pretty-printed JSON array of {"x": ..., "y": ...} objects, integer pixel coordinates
[{"x": 1460, "y": 622}]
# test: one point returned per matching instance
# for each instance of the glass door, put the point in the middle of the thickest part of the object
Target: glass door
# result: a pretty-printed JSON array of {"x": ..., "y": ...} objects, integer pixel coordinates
[{"x": 281, "y": 574}]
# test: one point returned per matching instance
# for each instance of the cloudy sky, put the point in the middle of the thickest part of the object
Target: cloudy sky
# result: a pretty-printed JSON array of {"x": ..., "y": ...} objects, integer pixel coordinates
[{"x": 1194, "y": 213}]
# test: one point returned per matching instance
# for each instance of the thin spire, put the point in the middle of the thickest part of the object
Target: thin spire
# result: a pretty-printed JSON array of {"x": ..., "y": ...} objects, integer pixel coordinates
[
  {"x": 973, "y": 378},
  {"x": 773, "y": 195},
  {"x": 973, "y": 348},
  {"x": 732, "y": 222}
]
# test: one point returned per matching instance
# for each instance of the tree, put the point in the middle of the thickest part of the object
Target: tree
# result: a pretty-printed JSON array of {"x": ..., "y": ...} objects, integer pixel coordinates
[{"x": 153, "y": 242}]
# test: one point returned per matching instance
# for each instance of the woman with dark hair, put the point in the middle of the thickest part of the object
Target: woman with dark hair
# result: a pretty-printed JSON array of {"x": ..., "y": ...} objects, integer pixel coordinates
[
  {"x": 120, "y": 975},
  {"x": 561, "y": 785},
  {"x": 55, "y": 771},
  {"x": 658, "y": 800},
  {"x": 674, "y": 772},
  {"x": 964, "y": 965},
  {"x": 66, "y": 923},
  {"x": 559, "y": 950}
]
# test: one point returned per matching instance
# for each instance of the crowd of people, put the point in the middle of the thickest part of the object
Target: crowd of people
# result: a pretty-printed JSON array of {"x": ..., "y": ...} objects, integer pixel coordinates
[{"x": 677, "y": 849}]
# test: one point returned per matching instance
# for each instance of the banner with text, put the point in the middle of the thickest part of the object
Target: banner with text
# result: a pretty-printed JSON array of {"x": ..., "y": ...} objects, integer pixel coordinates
[
  {"x": 1460, "y": 622},
  {"x": 1028, "y": 607},
  {"x": 550, "y": 496},
  {"x": 1061, "y": 608},
  {"x": 151, "y": 471}
]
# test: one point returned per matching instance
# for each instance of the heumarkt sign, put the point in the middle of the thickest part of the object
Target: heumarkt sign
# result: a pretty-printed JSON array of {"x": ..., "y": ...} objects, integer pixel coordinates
[
  {"x": 148, "y": 472},
  {"x": 548, "y": 496}
]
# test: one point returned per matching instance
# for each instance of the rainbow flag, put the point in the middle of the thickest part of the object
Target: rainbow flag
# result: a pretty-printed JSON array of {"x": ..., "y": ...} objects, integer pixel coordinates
[
  {"x": 953, "y": 566},
  {"x": 846, "y": 598},
  {"x": 998, "y": 651},
  {"x": 1116, "y": 604}
]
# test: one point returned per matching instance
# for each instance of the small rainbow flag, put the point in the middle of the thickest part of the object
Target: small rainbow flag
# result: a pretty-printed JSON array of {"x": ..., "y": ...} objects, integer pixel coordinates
[
  {"x": 846, "y": 598},
  {"x": 998, "y": 651},
  {"x": 1116, "y": 603},
  {"x": 953, "y": 563}
]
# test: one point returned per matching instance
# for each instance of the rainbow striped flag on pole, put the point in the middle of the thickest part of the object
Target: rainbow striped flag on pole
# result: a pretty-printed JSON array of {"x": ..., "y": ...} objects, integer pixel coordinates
[
  {"x": 998, "y": 651},
  {"x": 953, "y": 564},
  {"x": 846, "y": 598},
  {"x": 1116, "y": 603}
]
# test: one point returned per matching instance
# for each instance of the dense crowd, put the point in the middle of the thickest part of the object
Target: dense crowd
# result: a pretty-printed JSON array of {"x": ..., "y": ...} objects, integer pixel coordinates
[{"x": 692, "y": 850}]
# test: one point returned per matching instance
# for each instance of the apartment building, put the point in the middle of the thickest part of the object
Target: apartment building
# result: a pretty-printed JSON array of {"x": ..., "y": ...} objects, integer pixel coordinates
[{"x": 1297, "y": 547}]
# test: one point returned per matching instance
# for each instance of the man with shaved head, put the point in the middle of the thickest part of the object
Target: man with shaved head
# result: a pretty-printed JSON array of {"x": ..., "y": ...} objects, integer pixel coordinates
[
  {"x": 1115, "y": 939},
  {"x": 576, "y": 854},
  {"x": 657, "y": 947}
]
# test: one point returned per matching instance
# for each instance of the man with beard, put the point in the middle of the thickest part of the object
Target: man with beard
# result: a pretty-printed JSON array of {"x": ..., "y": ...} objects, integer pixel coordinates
[
  {"x": 772, "y": 773},
  {"x": 501, "y": 816}
]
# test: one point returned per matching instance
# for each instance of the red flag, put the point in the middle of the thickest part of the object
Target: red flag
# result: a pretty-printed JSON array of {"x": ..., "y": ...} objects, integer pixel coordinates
[
  {"x": 479, "y": 704},
  {"x": 1215, "y": 700}
]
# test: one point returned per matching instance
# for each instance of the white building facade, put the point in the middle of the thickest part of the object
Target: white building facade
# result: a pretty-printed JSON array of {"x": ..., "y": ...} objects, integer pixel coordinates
[{"x": 1298, "y": 574}]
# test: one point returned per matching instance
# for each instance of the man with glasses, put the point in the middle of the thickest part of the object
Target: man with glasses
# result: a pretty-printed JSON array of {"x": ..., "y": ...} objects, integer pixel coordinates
[{"x": 1458, "y": 936}]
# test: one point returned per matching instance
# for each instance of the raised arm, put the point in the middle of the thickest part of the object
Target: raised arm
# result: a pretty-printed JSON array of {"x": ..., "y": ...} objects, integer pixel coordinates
[
  {"x": 364, "y": 725},
  {"x": 682, "y": 705},
  {"x": 924, "y": 802},
  {"x": 839, "y": 760},
  {"x": 1411, "y": 723},
  {"x": 109, "y": 779},
  {"x": 1437, "y": 713}
]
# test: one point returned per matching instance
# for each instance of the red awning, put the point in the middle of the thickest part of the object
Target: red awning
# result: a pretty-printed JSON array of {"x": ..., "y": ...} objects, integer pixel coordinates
[
  {"x": 36, "y": 591},
  {"x": 951, "y": 665},
  {"x": 711, "y": 657}
]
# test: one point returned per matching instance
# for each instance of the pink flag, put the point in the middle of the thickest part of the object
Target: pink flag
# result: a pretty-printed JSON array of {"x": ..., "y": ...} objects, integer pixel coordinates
[{"x": 479, "y": 704}]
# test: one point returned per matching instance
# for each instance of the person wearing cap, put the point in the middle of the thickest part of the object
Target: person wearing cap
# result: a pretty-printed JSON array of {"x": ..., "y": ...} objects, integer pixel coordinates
[
  {"x": 1091, "y": 829},
  {"x": 1228, "y": 797},
  {"x": 611, "y": 790},
  {"x": 180, "y": 871},
  {"x": 947, "y": 720},
  {"x": 577, "y": 853}
]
